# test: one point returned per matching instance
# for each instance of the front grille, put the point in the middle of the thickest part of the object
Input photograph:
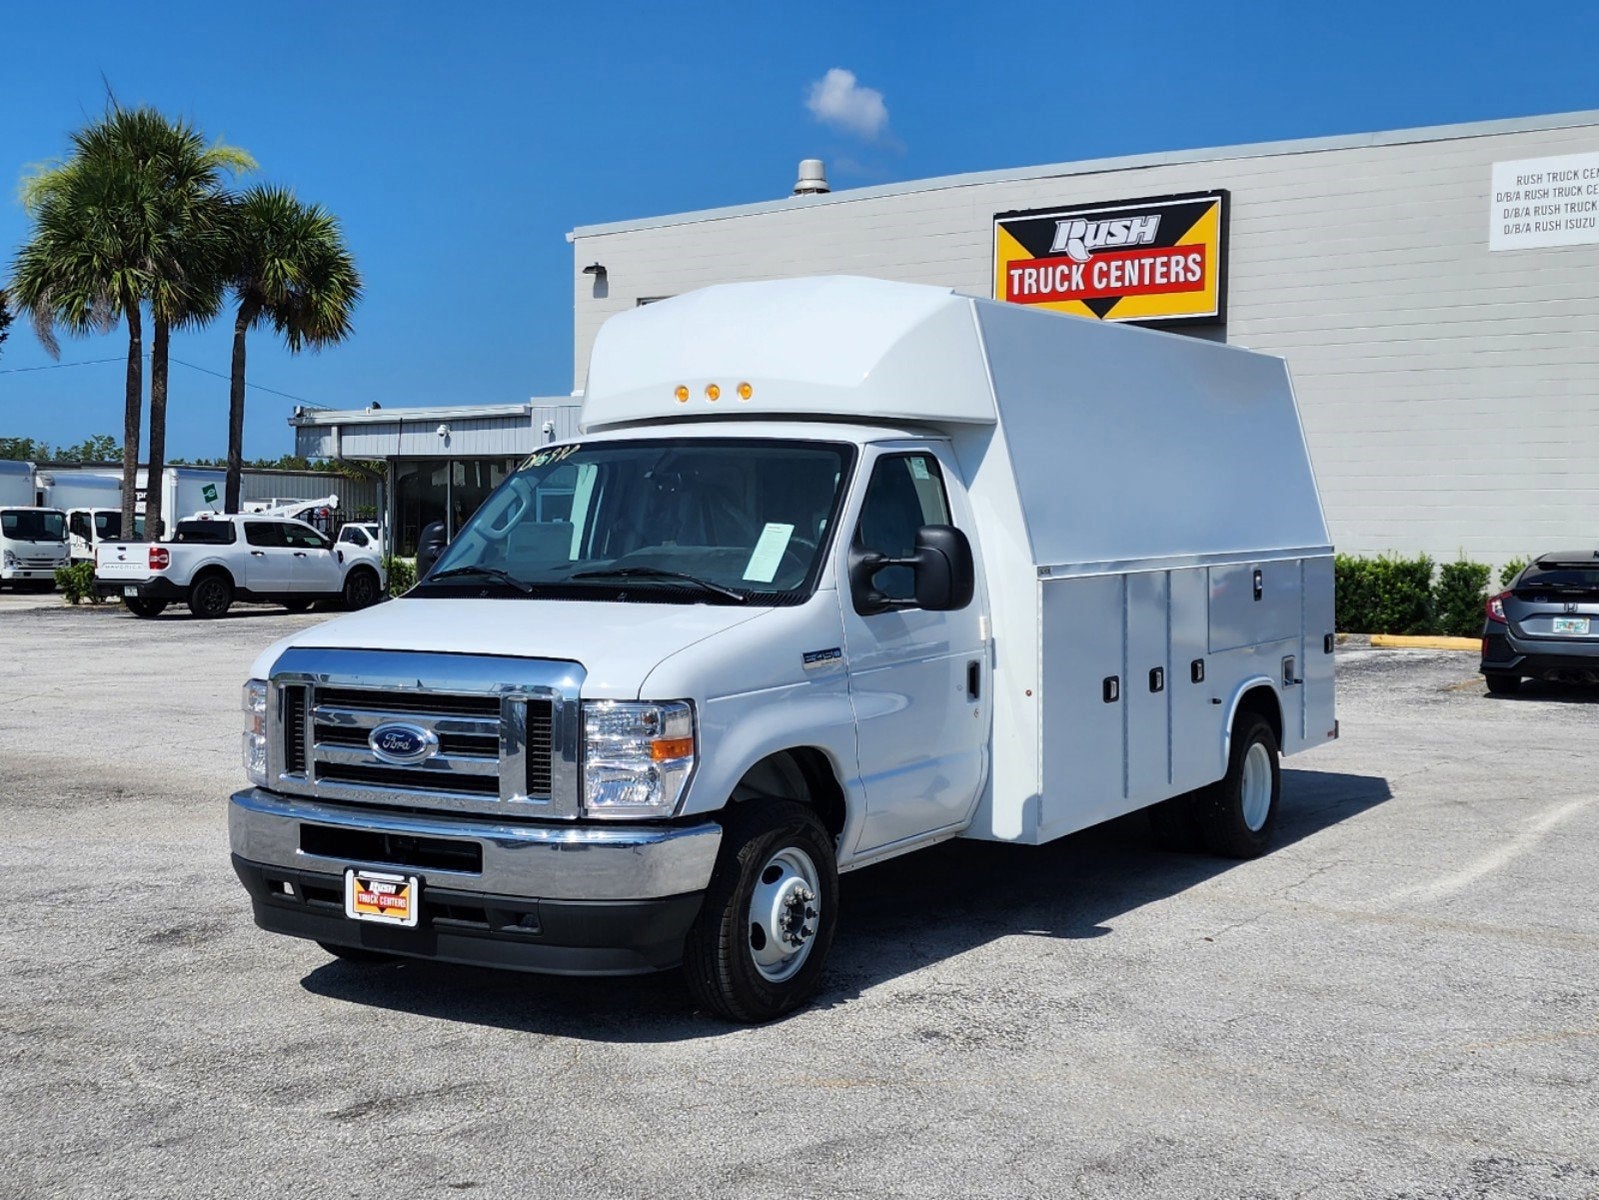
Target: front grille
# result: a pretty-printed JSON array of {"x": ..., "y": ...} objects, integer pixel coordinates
[
  {"x": 336, "y": 722},
  {"x": 498, "y": 736}
]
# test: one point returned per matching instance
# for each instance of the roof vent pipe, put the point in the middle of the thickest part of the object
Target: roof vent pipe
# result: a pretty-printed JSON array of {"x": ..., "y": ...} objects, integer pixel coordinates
[{"x": 812, "y": 178}]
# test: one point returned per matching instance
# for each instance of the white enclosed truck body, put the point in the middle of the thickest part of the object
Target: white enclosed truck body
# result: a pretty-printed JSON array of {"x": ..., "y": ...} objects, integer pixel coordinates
[{"x": 839, "y": 569}]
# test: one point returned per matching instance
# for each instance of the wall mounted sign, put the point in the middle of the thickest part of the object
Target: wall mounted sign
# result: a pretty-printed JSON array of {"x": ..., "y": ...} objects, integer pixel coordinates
[
  {"x": 1158, "y": 260},
  {"x": 1545, "y": 202}
]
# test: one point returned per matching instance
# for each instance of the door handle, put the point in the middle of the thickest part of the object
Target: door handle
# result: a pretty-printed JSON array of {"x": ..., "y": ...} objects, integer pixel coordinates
[
  {"x": 974, "y": 679},
  {"x": 299, "y": 554},
  {"x": 258, "y": 554}
]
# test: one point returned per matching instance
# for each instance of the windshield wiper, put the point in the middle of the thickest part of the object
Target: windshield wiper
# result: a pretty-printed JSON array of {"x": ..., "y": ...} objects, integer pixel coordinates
[
  {"x": 726, "y": 593},
  {"x": 492, "y": 572}
]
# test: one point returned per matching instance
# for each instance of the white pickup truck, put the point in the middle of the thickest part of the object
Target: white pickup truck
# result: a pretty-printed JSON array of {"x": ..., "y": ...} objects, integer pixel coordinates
[
  {"x": 837, "y": 569},
  {"x": 213, "y": 560}
]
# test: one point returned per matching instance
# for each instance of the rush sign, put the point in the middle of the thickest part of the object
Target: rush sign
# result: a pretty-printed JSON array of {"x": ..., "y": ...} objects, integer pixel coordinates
[{"x": 1156, "y": 260}]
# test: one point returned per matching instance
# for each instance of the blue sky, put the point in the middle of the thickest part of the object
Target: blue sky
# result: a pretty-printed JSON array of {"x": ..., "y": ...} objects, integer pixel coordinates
[{"x": 459, "y": 143}]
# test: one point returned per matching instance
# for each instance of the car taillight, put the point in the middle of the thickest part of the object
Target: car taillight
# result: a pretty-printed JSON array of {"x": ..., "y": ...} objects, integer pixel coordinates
[
  {"x": 1496, "y": 608},
  {"x": 161, "y": 557}
]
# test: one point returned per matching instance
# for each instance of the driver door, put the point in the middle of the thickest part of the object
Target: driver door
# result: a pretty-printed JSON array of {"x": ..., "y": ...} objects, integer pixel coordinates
[{"x": 918, "y": 679}]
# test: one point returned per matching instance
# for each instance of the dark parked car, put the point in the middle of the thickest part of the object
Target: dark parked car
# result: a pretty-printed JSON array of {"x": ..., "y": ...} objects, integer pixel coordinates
[{"x": 1546, "y": 626}]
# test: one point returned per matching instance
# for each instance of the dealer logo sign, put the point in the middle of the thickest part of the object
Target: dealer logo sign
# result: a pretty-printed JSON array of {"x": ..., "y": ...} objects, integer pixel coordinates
[{"x": 1157, "y": 260}]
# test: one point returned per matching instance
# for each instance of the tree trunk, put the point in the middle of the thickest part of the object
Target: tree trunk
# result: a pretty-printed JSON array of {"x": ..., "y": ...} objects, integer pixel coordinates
[
  {"x": 132, "y": 409},
  {"x": 158, "y": 429},
  {"x": 248, "y": 309}
]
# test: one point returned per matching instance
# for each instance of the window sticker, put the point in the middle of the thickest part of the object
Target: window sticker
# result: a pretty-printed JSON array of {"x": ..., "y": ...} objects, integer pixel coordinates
[
  {"x": 919, "y": 468},
  {"x": 768, "y": 553},
  {"x": 551, "y": 454}
]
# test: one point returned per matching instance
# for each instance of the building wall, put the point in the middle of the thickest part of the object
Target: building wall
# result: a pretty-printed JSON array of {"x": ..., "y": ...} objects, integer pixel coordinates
[{"x": 1449, "y": 394}]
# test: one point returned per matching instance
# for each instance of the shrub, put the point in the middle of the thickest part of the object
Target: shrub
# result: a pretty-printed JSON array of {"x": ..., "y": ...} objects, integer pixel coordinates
[
  {"x": 402, "y": 574},
  {"x": 1458, "y": 597},
  {"x": 1384, "y": 595},
  {"x": 1511, "y": 569},
  {"x": 77, "y": 583}
]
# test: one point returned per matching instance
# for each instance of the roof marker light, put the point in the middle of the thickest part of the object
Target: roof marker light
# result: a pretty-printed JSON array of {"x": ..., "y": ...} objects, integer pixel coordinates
[
  {"x": 712, "y": 392},
  {"x": 681, "y": 394},
  {"x": 745, "y": 391}
]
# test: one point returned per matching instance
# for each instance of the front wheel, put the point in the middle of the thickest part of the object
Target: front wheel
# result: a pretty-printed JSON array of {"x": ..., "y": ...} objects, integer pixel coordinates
[
  {"x": 1237, "y": 812},
  {"x": 144, "y": 608},
  {"x": 757, "y": 949},
  {"x": 360, "y": 589}
]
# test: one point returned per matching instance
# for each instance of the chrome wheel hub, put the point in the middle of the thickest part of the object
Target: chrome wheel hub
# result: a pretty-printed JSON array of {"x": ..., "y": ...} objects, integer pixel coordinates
[{"x": 785, "y": 913}]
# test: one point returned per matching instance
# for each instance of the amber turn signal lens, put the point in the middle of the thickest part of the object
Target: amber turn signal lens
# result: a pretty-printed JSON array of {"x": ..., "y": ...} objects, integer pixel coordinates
[
  {"x": 745, "y": 391},
  {"x": 712, "y": 392},
  {"x": 681, "y": 394},
  {"x": 662, "y": 749}
]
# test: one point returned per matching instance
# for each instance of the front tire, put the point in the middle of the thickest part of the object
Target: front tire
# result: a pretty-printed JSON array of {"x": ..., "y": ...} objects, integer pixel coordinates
[
  {"x": 210, "y": 596},
  {"x": 361, "y": 589},
  {"x": 758, "y": 947},
  {"x": 1503, "y": 685},
  {"x": 144, "y": 608},
  {"x": 1236, "y": 814}
]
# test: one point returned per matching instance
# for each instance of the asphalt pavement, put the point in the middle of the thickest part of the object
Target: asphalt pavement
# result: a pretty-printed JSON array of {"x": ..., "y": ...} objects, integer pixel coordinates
[{"x": 1400, "y": 1000}]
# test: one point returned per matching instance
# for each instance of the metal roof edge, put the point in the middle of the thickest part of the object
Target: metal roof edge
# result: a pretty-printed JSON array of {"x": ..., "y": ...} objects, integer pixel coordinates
[
  {"x": 1093, "y": 166},
  {"x": 436, "y": 412}
]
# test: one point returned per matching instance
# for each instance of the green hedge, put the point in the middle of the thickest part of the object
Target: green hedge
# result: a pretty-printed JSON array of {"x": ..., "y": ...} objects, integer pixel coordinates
[
  {"x": 1401, "y": 595},
  {"x": 402, "y": 574}
]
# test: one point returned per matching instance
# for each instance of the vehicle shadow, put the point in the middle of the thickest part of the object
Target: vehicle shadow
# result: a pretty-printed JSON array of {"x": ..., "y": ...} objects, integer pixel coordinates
[
  {"x": 895, "y": 918},
  {"x": 1536, "y": 691}
]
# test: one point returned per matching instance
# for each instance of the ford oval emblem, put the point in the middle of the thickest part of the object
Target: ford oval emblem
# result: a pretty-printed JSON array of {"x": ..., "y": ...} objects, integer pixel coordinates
[{"x": 402, "y": 744}]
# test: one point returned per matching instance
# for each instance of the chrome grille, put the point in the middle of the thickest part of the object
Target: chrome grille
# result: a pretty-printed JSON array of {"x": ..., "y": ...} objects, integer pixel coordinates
[{"x": 506, "y": 730}]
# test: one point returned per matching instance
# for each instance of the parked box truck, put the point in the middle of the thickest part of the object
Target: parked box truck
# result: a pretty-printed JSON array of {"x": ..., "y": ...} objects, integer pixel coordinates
[
  {"x": 838, "y": 569},
  {"x": 33, "y": 540}
]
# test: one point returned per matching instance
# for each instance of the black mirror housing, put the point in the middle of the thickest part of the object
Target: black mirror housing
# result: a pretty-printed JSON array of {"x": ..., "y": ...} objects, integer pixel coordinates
[
  {"x": 945, "y": 576},
  {"x": 429, "y": 546}
]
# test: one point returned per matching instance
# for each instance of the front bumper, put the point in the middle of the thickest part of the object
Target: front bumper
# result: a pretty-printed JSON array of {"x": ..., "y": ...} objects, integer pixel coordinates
[
  {"x": 1556, "y": 660},
  {"x": 560, "y": 899}
]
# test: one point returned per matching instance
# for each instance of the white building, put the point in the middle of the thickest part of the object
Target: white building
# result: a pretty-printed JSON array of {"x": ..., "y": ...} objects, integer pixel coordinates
[{"x": 1434, "y": 292}]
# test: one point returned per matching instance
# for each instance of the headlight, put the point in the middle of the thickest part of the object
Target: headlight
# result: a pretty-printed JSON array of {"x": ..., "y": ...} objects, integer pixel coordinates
[
  {"x": 637, "y": 758},
  {"x": 10, "y": 559},
  {"x": 255, "y": 731}
]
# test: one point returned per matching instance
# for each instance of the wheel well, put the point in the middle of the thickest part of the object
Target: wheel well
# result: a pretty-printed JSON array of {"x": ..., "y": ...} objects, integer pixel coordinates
[
  {"x": 802, "y": 774},
  {"x": 1262, "y": 701},
  {"x": 206, "y": 572}
]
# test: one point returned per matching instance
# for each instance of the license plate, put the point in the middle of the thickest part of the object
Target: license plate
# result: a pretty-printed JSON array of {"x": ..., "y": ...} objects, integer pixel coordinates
[
  {"x": 131, "y": 591},
  {"x": 1571, "y": 624},
  {"x": 379, "y": 896}
]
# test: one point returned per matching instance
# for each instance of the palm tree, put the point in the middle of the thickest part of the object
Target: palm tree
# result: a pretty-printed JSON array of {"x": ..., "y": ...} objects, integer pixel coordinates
[
  {"x": 135, "y": 216},
  {"x": 290, "y": 269}
]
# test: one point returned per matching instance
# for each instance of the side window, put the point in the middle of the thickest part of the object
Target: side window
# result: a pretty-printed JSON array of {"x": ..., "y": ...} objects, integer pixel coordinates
[
  {"x": 351, "y": 534},
  {"x": 302, "y": 537},
  {"x": 263, "y": 533},
  {"x": 906, "y": 492},
  {"x": 79, "y": 525}
]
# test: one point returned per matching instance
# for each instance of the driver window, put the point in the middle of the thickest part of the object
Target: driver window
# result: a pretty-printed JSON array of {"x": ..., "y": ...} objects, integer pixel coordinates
[{"x": 906, "y": 492}]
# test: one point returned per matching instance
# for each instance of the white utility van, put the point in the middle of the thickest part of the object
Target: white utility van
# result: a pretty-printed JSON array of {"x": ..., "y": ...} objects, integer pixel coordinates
[{"x": 838, "y": 569}]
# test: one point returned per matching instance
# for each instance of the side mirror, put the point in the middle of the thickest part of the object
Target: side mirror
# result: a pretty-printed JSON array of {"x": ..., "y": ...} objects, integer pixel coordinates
[
  {"x": 429, "y": 546},
  {"x": 942, "y": 563}
]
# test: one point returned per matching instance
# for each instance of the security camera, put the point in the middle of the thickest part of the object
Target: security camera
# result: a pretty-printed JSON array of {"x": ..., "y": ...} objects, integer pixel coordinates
[{"x": 444, "y": 431}]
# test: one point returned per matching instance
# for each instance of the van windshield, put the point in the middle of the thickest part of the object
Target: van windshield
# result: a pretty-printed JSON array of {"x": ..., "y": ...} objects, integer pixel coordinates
[
  {"x": 33, "y": 525},
  {"x": 108, "y": 526},
  {"x": 734, "y": 520}
]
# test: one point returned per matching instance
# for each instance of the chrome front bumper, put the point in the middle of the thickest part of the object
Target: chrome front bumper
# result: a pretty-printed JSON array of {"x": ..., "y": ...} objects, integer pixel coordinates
[{"x": 554, "y": 862}]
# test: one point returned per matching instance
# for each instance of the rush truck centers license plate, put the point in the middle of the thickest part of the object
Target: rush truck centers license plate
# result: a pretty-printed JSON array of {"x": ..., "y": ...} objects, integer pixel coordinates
[
  {"x": 379, "y": 896},
  {"x": 1571, "y": 624}
]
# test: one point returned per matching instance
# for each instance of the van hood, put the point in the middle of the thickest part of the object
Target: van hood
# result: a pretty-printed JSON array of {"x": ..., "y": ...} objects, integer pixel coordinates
[{"x": 618, "y": 644}]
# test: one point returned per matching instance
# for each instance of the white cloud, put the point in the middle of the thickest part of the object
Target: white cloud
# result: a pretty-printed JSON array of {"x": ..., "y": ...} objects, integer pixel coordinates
[{"x": 837, "y": 99}]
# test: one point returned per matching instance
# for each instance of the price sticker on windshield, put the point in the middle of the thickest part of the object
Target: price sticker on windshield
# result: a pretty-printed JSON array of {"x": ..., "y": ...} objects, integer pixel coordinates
[
  {"x": 768, "y": 553},
  {"x": 551, "y": 454}
]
